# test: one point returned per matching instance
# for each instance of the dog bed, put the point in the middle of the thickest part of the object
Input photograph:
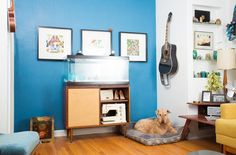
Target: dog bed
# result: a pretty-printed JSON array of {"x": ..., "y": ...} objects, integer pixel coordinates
[{"x": 154, "y": 139}]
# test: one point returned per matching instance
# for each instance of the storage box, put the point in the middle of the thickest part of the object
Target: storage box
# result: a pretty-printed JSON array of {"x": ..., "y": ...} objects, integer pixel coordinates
[{"x": 106, "y": 94}]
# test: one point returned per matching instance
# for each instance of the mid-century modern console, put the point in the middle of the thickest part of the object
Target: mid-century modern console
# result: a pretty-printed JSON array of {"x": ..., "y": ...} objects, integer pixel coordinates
[
  {"x": 84, "y": 106},
  {"x": 97, "y": 92}
]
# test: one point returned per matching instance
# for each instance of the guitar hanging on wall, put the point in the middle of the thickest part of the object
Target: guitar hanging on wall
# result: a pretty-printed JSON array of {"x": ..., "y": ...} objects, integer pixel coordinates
[
  {"x": 168, "y": 64},
  {"x": 11, "y": 18}
]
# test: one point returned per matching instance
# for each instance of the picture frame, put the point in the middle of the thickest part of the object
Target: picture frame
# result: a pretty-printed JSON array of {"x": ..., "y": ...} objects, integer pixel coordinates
[
  {"x": 54, "y": 43},
  {"x": 96, "y": 42},
  {"x": 218, "y": 98},
  {"x": 206, "y": 96},
  {"x": 44, "y": 126},
  {"x": 205, "y": 15},
  {"x": 203, "y": 40},
  {"x": 133, "y": 45}
]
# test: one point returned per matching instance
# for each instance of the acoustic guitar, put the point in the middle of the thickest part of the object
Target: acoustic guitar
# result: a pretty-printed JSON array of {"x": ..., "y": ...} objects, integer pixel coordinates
[
  {"x": 168, "y": 64},
  {"x": 11, "y": 18}
]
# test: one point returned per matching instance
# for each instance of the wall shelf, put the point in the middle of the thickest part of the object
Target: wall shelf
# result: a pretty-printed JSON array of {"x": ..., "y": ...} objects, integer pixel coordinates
[{"x": 205, "y": 23}]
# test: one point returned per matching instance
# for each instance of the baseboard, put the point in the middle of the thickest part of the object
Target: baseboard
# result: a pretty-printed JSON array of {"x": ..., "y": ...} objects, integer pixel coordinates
[{"x": 87, "y": 131}]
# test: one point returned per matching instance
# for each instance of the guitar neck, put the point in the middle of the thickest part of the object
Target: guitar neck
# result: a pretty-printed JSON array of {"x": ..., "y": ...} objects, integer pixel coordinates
[{"x": 166, "y": 35}]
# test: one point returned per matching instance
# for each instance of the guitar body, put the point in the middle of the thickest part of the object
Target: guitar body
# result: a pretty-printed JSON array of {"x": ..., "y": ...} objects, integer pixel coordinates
[{"x": 168, "y": 63}]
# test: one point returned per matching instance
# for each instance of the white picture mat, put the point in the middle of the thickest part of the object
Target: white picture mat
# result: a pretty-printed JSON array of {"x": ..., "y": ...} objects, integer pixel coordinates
[
  {"x": 142, "y": 46},
  {"x": 203, "y": 36},
  {"x": 89, "y": 36},
  {"x": 42, "y": 32}
]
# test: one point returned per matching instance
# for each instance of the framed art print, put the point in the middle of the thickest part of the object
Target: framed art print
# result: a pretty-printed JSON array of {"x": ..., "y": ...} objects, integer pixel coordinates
[
  {"x": 54, "y": 43},
  {"x": 133, "y": 45},
  {"x": 206, "y": 96},
  {"x": 96, "y": 42},
  {"x": 44, "y": 126},
  {"x": 203, "y": 40}
]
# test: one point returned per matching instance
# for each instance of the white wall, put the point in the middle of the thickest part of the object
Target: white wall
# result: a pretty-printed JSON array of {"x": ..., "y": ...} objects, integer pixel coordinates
[
  {"x": 181, "y": 34},
  {"x": 6, "y": 73},
  {"x": 176, "y": 97}
]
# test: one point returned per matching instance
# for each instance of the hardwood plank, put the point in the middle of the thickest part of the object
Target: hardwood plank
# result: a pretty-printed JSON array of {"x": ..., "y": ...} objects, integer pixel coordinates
[{"x": 113, "y": 144}]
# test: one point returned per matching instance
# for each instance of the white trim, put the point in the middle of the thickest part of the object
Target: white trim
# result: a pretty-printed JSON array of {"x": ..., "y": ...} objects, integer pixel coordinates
[
  {"x": 6, "y": 73},
  {"x": 76, "y": 132}
]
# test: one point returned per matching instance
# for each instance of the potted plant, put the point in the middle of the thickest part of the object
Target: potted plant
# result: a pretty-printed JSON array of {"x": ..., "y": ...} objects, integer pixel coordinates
[{"x": 214, "y": 83}]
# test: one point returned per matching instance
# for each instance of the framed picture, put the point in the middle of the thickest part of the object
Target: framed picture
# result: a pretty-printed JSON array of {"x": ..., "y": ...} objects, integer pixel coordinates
[
  {"x": 202, "y": 15},
  {"x": 133, "y": 45},
  {"x": 218, "y": 98},
  {"x": 206, "y": 96},
  {"x": 96, "y": 42},
  {"x": 203, "y": 40},
  {"x": 54, "y": 43},
  {"x": 44, "y": 126}
]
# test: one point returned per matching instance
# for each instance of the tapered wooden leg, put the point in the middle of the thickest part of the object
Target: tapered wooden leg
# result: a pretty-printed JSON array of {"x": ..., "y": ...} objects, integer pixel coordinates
[
  {"x": 221, "y": 148},
  {"x": 224, "y": 150},
  {"x": 186, "y": 130},
  {"x": 71, "y": 135},
  {"x": 67, "y": 133},
  {"x": 125, "y": 128}
]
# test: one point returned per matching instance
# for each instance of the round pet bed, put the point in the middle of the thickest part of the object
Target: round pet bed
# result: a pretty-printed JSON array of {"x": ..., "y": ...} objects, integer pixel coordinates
[{"x": 154, "y": 139}]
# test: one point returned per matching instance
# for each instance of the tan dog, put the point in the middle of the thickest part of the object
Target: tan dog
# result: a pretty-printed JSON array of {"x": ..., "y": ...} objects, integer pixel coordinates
[{"x": 161, "y": 125}]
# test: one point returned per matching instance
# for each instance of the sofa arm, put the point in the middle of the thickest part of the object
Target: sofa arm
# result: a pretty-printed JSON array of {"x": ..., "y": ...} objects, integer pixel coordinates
[{"x": 228, "y": 111}]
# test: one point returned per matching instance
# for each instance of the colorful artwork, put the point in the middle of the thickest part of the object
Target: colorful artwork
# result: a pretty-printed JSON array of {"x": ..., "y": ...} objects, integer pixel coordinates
[
  {"x": 44, "y": 126},
  {"x": 132, "y": 47},
  {"x": 55, "y": 43},
  {"x": 96, "y": 44}
]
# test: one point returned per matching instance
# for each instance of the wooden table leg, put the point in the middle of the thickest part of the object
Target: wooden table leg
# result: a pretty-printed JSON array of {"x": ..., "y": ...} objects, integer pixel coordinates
[
  {"x": 67, "y": 133},
  {"x": 186, "y": 130},
  {"x": 71, "y": 135},
  {"x": 124, "y": 129}
]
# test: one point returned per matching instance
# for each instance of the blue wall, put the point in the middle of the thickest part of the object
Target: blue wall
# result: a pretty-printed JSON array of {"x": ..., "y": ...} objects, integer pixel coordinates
[{"x": 39, "y": 84}]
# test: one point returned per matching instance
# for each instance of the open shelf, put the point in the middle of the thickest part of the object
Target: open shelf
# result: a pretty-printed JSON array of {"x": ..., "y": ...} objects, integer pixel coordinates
[
  {"x": 114, "y": 101},
  {"x": 203, "y": 103},
  {"x": 198, "y": 118},
  {"x": 205, "y": 23}
]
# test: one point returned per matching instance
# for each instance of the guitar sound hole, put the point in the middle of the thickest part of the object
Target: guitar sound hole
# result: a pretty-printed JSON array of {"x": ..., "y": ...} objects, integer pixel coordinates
[{"x": 166, "y": 53}]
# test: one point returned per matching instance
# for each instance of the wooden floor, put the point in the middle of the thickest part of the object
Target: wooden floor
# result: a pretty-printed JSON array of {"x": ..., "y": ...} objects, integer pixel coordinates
[{"x": 113, "y": 144}]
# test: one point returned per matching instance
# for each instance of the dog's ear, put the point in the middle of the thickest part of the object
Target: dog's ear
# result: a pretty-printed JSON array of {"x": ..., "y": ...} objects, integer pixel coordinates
[
  {"x": 168, "y": 111},
  {"x": 157, "y": 111}
]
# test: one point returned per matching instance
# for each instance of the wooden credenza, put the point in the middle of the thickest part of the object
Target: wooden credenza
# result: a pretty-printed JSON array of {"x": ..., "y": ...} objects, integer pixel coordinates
[{"x": 84, "y": 106}]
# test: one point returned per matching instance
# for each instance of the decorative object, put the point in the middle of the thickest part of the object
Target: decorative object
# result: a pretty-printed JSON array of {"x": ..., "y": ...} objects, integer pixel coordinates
[
  {"x": 96, "y": 42},
  {"x": 194, "y": 54},
  {"x": 54, "y": 43},
  {"x": 195, "y": 20},
  {"x": 214, "y": 82},
  {"x": 218, "y": 21},
  {"x": 220, "y": 98},
  {"x": 208, "y": 56},
  {"x": 203, "y": 40},
  {"x": 44, "y": 126},
  {"x": 133, "y": 45},
  {"x": 226, "y": 61},
  {"x": 231, "y": 27},
  {"x": 206, "y": 96},
  {"x": 202, "y": 15},
  {"x": 215, "y": 55}
]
